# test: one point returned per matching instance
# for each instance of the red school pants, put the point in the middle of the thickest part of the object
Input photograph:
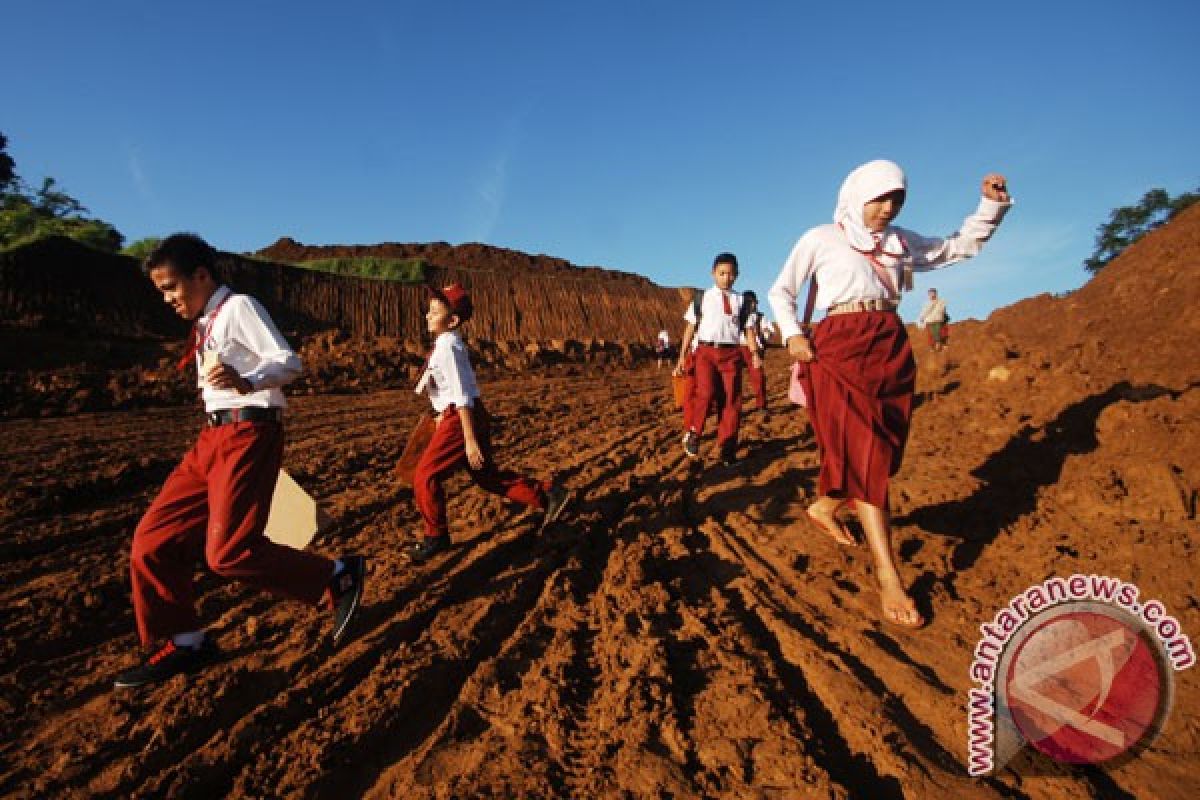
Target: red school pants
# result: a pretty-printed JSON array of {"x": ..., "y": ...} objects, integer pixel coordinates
[
  {"x": 758, "y": 377},
  {"x": 718, "y": 372},
  {"x": 447, "y": 453},
  {"x": 214, "y": 506}
]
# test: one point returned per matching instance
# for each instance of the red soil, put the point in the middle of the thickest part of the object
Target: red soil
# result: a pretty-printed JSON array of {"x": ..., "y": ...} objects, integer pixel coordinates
[{"x": 681, "y": 635}]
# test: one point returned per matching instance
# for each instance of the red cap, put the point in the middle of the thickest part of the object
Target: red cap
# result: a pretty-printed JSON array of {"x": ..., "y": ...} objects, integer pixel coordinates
[{"x": 456, "y": 297}]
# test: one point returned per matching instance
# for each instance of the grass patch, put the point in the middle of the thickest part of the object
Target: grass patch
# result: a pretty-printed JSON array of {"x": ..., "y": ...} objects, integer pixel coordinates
[{"x": 403, "y": 270}]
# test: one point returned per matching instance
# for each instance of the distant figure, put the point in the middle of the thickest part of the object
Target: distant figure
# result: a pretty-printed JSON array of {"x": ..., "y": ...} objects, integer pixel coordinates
[
  {"x": 463, "y": 434},
  {"x": 934, "y": 319},
  {"x": 716, "y": 317},
  {"x": 860, "y": 371},
  {"x": 758, "y": 373},
  {"x": 214, "y": 504},
  {"x": 767, "y": 329},
  {"x": 662, "y": 347}
]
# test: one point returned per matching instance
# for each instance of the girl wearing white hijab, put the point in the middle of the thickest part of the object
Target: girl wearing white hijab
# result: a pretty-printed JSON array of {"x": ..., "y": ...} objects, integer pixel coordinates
[{"x": 860, "y": 372}]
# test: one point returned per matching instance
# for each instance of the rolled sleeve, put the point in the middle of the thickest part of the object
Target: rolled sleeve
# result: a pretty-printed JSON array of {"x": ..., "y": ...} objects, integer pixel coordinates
[
  {"x": 931, "y": 253},
  {"x": 278, "y": 365}
]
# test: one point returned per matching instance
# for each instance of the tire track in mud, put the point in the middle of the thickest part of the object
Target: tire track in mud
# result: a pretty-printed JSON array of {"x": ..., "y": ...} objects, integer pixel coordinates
[
  {"x": 818, "y": 667},
  {"x": 674, "y": 637},
  {"x": 488, "y": 563},
  {"x": 578, "y": 579},
  {"x": 812, "y": 722},
  {"x": 580, "y": 572}
]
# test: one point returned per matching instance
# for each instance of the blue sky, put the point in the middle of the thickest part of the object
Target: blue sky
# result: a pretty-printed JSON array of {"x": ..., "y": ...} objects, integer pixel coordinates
[{"x": 641, "y": 136}]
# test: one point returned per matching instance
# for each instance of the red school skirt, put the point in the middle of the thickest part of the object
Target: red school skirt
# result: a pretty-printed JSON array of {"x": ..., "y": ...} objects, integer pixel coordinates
[{"x": 860, "y": 390}]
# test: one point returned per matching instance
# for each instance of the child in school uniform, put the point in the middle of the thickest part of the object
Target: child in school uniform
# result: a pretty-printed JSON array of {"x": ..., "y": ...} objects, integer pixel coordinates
[
  {"x": 214, "y": 504},
  {"x": 753, "y": 331},
  {"x": 860, "y": 375},
  {"x": 463, "y": 434},
  {"x": 717, "y": 361}
]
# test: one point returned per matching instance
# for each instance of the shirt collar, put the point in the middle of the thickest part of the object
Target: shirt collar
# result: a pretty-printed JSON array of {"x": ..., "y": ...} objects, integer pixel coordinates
[{"x": 216, "y": 299}]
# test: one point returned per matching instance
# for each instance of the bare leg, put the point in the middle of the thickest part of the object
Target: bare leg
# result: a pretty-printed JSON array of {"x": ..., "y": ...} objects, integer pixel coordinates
[
  {"x": 823, "y": 513},
  {"x": 898, "y": 607}
]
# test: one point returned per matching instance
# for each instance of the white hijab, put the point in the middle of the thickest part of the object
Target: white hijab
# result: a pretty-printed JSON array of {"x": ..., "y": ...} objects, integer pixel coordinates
[{"x": 867, "y": 182}]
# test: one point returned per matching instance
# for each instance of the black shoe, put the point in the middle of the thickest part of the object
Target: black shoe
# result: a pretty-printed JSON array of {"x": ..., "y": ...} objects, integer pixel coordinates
[
  {"x": 556, "y": 502},
  {"x": 345, "y": 593},
  {"x": 167, "y": 662},
  {"x": 691, "y": 444},
  {"x": 429, "y": 547},
  {"x": 729, "y": 456}
]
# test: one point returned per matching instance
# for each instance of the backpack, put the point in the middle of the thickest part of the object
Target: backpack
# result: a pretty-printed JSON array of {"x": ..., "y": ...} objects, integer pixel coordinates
[{"x": 743, "y": 310}]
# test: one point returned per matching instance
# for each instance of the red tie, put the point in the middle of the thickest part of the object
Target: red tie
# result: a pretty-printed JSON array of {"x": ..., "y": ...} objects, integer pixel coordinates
[
  {"x": 193, "y": 344},
  {"x": 725, "y": 303},
  {"x": 195, "y": 340}
]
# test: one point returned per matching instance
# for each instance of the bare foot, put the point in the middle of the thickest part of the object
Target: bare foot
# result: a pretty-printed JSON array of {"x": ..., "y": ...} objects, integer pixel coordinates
[
  {"x": 898, "y": 607},
  {"x": 822, "y": 515}
]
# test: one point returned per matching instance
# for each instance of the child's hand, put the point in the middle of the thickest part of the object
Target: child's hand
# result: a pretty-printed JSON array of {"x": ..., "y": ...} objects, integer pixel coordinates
[
  {"x": 475, "y": 455},
  {"x": 995, "y": 187},
  {"x": 223, "y": 376},
  {"x": 800, "y": 348}
]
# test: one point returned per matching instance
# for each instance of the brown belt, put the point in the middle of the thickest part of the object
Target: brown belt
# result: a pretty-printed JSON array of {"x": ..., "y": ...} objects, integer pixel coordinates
[{"x": 855, "y": 306}]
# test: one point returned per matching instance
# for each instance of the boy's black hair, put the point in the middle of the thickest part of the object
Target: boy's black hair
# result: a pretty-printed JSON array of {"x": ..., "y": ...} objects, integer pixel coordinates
[
  {"x": 750, "y": 295},
  {"x": 726, "y": 258},
  {"x": 186, "y": 252}
]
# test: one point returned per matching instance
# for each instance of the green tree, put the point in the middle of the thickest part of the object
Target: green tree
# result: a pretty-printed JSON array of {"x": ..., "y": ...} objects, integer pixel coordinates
[
  {"x": 26, "y": 216},
  {"x": 8, "y": 167},
  {"x": 1129, "y": 223},
  {"x": 141, "y": 248}
]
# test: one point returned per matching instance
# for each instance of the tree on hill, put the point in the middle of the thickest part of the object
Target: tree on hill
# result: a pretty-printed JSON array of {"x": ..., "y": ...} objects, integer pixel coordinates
[
  {"x": 8, "y": 167},
  {"x": 141, "y": 248},
  {"x": 1129, "y": 223},
  {"x": 27, "y": 215}
]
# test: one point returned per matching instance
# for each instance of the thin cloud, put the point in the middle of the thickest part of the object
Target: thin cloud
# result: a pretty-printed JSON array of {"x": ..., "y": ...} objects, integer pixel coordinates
[
  {"x": 491, "y": 192},
  {"x": 492, "y": 188},
  {"x": 137, "y": 174}
]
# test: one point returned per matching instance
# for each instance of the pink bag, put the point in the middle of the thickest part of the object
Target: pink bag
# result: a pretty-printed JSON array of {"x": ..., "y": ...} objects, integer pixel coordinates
[{"x": 796, "y": 386}]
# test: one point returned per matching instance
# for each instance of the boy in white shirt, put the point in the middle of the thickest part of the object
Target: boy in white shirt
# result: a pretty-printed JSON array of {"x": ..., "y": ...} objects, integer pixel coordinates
[
  {"x": 215, "y": 503},
  {"x": 717, "y": 360},
  {"x": 463, "y": 434}
]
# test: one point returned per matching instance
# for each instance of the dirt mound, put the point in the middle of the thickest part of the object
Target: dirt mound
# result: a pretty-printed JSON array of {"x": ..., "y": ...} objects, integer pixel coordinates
[
  {"x": 464, "y": 257},
  {"x": 682, "y": 634},
  {"x": 84, "y": 331}
]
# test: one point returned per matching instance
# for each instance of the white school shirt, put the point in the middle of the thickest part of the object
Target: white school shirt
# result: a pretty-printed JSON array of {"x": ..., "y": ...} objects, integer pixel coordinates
[
  {"x": 844, "y": 274},
  {"x": 753, "y": 322},
  {"x": 242, "y": 334},
  {"x": 715, "y": 325},
  {"x": 448, "y": 378}
]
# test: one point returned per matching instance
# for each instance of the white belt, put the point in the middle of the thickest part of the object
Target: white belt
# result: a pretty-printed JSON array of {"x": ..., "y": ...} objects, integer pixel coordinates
[{"x": 854, "y": 306}]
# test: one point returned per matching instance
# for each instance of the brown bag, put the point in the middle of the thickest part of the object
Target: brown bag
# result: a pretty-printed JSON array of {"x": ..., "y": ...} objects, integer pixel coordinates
[
  {"x": 418, "y": 440},
  {"x": 681, "y": 385}
]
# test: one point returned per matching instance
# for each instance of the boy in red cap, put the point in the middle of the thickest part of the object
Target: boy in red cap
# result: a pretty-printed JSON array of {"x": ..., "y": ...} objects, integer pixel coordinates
[{"x": 463, "y": 434}]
